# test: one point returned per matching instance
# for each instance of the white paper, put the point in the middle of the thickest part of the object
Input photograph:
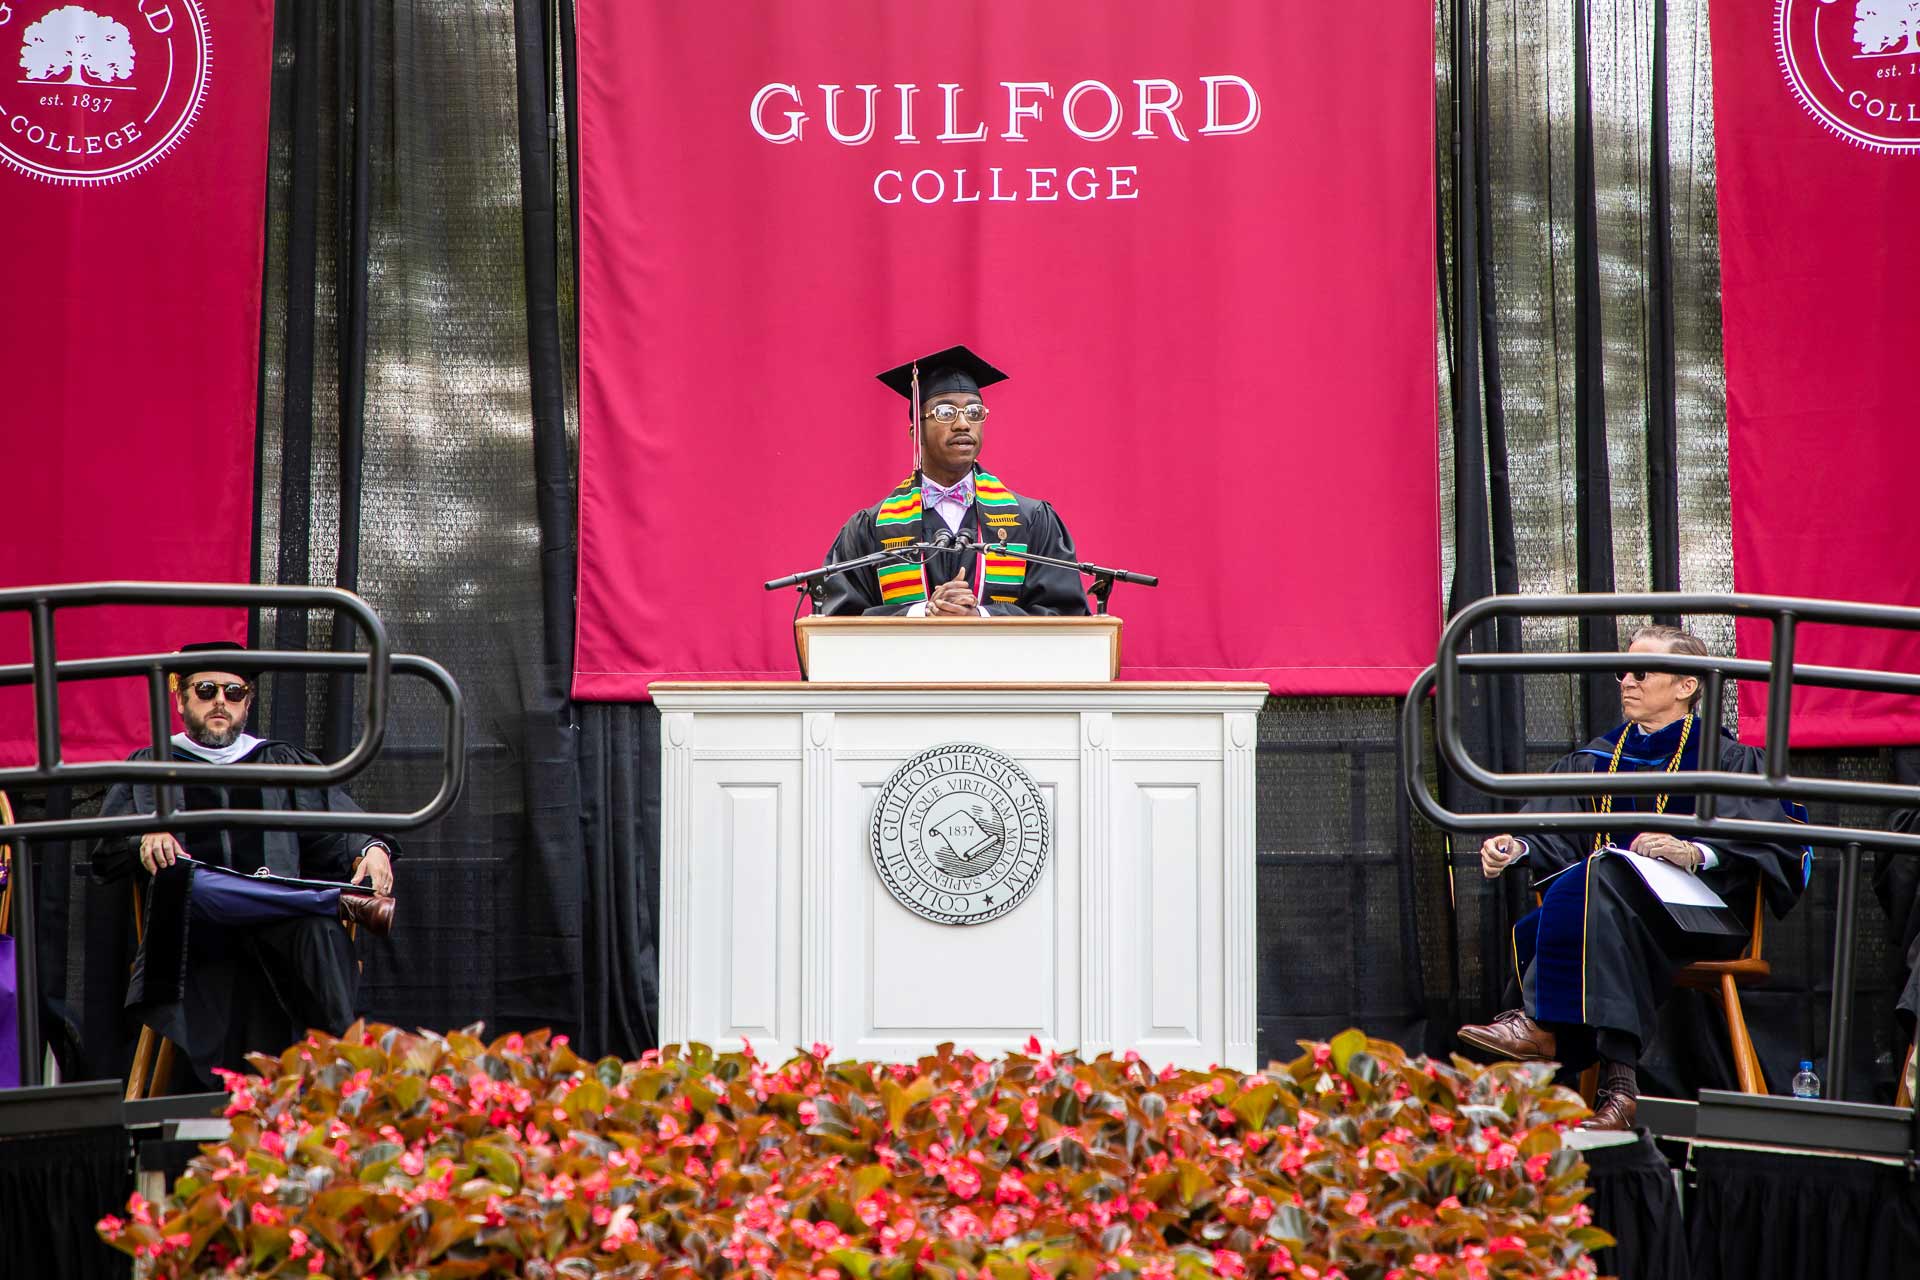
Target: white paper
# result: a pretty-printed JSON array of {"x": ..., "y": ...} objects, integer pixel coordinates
[{"x": 1668, "y": 882}]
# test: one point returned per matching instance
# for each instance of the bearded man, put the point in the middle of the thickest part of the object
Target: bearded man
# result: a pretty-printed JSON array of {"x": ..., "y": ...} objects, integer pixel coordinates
[{"x": 235, "y": 959}]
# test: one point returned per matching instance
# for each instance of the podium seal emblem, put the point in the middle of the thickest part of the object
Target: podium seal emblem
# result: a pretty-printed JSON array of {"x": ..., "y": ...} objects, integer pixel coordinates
[{"x": 959, "y": 834}]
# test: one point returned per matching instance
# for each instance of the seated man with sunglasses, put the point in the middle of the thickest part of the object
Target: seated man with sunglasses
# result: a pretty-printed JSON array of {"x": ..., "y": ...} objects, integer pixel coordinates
[
  {"x": 951, "y": 499},
  {"x": 236, "y": 959},
  {"x": 1596, "y": 960}
]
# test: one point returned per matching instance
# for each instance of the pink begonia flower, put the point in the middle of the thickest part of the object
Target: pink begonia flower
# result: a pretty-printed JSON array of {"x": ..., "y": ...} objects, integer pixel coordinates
[
  {"x": 1030, "y": 1112},
  {"x": 1441, "y": 1122},
  {"x": 1385, "y": 1161},
  {"x": 809, "y": 1113},
  {"x": 1357, "y": 1203},
  {"x": 1537, "y": 1166},
  {"x": 297, "y": 1246},
  {"x": 1228, "y": 1263},
  {"x": 1280, "y": 1261},
  {"x": 1262, "y": 1209}
]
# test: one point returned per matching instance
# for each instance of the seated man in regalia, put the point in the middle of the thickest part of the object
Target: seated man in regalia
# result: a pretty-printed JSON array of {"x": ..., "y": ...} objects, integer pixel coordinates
[
  {"x": 951, "y": 498},
  {"x": 1596, "y": 961},
  {"x": 244, "y": 948}
]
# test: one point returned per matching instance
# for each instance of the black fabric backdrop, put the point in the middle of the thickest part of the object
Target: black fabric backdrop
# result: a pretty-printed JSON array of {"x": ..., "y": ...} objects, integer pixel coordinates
[{"x": 417, "y": 439}]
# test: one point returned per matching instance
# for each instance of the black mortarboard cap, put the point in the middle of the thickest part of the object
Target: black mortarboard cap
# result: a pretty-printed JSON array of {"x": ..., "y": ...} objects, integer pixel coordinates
[
  {"x": 955, "y": 369},
  {"x": 236, "y": 664}
]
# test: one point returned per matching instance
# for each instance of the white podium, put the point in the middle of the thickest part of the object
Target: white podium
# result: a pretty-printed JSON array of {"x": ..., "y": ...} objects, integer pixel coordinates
[{"x": 817, "y": 837}]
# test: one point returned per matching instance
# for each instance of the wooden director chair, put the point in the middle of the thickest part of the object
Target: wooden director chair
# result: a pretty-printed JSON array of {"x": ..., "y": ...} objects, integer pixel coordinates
[
  {"x": 153, "y": 1055},
  {"x": 1722, "y": 979},
  {"x": 152, "y": 1068}
]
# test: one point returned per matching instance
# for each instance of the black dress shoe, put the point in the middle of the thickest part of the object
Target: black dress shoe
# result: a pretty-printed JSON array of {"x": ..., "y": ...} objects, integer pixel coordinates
[{"x": 372, "y": 912}]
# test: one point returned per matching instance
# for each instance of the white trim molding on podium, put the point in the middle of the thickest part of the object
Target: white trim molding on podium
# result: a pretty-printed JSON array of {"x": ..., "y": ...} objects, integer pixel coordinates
[{"x": 784, "y": 919}]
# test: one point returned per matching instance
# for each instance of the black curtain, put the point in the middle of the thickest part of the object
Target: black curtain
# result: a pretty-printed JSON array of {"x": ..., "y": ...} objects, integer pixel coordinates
[
  {"x": 1759, "y": 1215},
  {"x": 531, "y": 903},
  {"x": 53, "y": 1188},
  {"x": 1663, "y": 438},
  {"x": 1493, "y": 714},
  {"x": 1593, "y": 490}
]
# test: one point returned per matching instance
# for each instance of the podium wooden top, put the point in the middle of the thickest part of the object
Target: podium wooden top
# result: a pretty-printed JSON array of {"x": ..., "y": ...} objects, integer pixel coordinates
[
  {"x": 1010, "y": 636},
  {"x": 970, "y": 697},
  {"x": 1037, "y": 686}
]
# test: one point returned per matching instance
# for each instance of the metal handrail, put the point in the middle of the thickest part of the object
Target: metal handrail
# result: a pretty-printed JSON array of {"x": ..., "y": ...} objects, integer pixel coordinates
[
  {"x": 1780, "y": 673},
  {"x": 162, "y": 773},
  {"x": 45, "y": 673}
]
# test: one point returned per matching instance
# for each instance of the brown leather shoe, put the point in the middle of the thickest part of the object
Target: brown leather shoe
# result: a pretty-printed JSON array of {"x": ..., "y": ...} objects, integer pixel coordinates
[
  {"x": 1615, "y": 1098},
  {"x": 1613, "y": 1111},
  {"x": 1513, "y": 1036},
  {"x": 372, "y": 912}
]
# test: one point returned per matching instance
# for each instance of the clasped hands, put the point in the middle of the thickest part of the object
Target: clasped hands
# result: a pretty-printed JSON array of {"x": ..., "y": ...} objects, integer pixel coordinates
[
  {"x": 953, "y": 599},
  {"x": 1501, "y": 850}
]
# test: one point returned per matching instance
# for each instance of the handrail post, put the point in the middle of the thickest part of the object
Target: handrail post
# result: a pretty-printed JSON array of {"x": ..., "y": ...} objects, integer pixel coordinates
[
  {"x": 1840, "y": 1012},
  {"x": 162, "y": 747},
  {"x": 26, "y": 964},
  {"x": 1779, "y": 696},
  {"x": 1711, "y": 693},
  {"x": 46, "y": 687}
]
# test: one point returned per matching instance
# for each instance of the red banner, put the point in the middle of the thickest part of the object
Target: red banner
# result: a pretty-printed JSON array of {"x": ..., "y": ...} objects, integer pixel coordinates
[
  {"x": 133, "y": 149},
  {"x": 1817, "y": 126},
  {"x": 1199, "y": 238}
]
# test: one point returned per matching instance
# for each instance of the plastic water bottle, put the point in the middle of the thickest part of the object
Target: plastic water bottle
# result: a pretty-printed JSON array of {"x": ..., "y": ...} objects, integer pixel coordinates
[{"x": 1805, "y": 1083}]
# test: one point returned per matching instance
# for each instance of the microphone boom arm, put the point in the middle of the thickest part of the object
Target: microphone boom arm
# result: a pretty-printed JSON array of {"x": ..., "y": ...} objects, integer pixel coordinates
[{"x": 1103, "y": 577}]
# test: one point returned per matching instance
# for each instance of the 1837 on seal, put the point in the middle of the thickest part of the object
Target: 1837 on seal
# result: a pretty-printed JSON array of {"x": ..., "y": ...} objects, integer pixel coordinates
[{"x": 960, "y": 834}]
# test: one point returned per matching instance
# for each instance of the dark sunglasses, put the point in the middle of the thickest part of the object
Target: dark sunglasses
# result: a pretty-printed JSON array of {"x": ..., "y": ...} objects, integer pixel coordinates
[
  {"x": 1639, "y": 677},
  {"x": 206, "y": 689}
]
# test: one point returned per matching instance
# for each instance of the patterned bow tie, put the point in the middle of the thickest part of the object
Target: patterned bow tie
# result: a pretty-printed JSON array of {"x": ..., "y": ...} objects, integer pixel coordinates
[{"x": 933, "y": 494}]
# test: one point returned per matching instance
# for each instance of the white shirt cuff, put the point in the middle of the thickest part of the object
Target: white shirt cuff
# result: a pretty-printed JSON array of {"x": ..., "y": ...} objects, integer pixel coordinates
[{"x": 1708, "y": 858}]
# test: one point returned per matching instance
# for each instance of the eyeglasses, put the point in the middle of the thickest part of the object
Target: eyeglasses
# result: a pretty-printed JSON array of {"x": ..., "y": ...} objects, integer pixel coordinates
[
  {"x": 948, "y": 414},
  {"x": 206, "y": 689},
  {"x": 1639, "y": 677}
]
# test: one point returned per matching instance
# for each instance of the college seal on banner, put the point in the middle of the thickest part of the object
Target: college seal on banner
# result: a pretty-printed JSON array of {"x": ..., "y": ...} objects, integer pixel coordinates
[
  {"x": 959, "y": 834},
  {"x": 1855, "y": 67},
  {"x": 97, "y": 92}
]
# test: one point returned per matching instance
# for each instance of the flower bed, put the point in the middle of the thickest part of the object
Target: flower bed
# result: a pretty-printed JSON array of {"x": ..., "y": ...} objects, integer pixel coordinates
[{"x": 390, "y": 1154}]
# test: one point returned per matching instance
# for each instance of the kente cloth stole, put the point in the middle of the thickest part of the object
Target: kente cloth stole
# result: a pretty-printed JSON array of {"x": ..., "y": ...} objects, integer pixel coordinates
[{"x": 998, "y": 511}]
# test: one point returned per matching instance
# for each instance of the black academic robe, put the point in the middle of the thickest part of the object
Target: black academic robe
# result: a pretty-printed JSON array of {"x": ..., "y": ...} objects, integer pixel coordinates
[
  {"x": 1047, "y": 590},
  {"x": 220, "y": 993},
  {"x": 1595, "y": 960}
]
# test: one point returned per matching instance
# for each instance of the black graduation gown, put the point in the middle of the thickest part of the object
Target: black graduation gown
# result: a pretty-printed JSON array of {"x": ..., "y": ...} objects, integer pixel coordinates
[
  {"x": 1593, "y": 960},
  {"x": 1047, "y": 590},
  {"x": 220, "y": 993}
]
